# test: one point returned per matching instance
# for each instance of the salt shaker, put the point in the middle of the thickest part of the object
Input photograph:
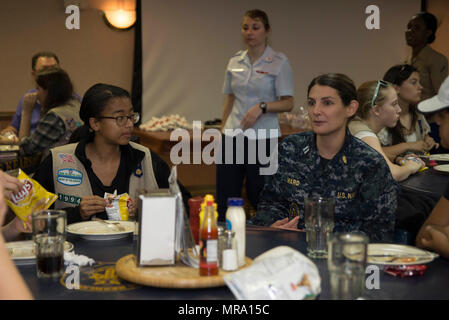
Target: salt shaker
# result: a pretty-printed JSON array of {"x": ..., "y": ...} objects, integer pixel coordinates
[{"x": 230, "y": 262}]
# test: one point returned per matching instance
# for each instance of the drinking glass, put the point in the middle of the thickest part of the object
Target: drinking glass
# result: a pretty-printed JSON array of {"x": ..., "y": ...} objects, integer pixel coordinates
[
  {"x": 319, "y": 222},
  {"x": 49, "y": 237},
  {"x": 346, "y": 264}
]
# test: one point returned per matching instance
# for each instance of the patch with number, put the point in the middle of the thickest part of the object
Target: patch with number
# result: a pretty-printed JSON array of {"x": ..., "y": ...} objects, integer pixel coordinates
[
  {"x": 69, "y": 199},
  {"x": 69, "y": 177}
]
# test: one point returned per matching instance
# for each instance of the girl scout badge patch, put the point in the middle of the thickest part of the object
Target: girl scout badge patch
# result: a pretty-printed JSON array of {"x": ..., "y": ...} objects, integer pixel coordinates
[
  {"x": 138, "y": 172},
  {"x": 69, "y": 177}
]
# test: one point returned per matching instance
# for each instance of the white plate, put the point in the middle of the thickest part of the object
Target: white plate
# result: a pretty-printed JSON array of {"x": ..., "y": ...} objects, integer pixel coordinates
[
  {"x": 442, "y": 168},
  {"x": 22, "y": 252},
  {"x": 439, "y": 157},
  {"x": 406, "y": 255},
  {"x": 9, "y": 148},
  {"x": 95, "y": 230}
]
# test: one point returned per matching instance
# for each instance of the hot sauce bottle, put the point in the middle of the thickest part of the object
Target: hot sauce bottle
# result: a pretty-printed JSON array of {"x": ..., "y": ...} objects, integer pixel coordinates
[{"x": 209, "y": 242}]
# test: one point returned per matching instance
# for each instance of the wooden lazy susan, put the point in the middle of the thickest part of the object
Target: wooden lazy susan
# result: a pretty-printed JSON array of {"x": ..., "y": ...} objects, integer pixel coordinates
[{"x": 175, "y": 276}]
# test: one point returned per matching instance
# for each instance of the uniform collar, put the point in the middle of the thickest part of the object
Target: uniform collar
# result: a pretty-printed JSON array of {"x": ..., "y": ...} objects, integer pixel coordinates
[
  {"x": 267, "y": 56},
  {"x": 341, "y": 157},
  {"x": 422, "y": 55}
]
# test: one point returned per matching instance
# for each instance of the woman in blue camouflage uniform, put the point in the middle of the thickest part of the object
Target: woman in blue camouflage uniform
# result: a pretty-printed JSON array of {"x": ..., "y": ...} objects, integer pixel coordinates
[{"x": 330, "y": 162}]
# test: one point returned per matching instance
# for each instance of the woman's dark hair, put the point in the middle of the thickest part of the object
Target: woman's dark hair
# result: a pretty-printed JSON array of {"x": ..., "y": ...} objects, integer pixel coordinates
[
  {"x": 58, "y": 85},
  {"x": 343, "y": 84},
  {"x": 397, "y": 75},
  {"x": 94, "y": 102},
  {"x": 261, "y": 15},
  {"x": 431, "y": 23}
]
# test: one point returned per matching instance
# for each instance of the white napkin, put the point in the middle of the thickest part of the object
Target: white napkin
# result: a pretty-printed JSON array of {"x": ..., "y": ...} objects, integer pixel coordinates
[{"x": 72, "y": 258}]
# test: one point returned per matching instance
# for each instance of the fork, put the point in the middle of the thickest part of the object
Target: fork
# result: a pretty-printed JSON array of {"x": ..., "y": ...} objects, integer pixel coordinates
[
  {"x": 393, "y": 257},
  {"x": 112, "y": 224}
]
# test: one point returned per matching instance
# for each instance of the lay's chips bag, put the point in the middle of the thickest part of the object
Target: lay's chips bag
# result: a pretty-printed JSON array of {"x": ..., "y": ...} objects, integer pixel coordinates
[
  {"x": 117, "y": 208},
  {"x": 32, "y": 197}
]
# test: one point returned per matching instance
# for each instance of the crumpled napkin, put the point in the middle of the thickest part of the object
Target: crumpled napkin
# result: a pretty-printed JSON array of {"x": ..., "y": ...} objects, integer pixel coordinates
[{"x": 73, "y": 258}]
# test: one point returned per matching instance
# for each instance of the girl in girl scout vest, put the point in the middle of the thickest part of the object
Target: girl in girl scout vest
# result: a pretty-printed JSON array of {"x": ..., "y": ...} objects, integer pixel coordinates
[
  {"x": 104, "y": 160},
  {"x": 379, "y": 109},
  {"x": 60, "y": 113}
]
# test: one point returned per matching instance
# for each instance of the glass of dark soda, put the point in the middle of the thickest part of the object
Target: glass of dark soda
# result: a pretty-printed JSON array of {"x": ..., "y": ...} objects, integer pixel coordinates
[{"x": 49, "y": 237}]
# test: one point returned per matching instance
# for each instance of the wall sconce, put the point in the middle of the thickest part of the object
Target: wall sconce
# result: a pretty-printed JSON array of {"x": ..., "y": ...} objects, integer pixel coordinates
[{"x": 120, "y": 18}]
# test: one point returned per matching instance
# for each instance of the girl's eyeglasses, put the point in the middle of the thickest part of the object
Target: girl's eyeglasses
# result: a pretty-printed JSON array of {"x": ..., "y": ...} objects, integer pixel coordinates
[{"x": 122, "y": 120}]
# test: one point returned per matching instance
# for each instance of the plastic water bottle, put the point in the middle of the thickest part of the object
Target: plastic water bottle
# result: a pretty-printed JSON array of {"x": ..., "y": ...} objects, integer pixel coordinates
[{"x": 236, "y": 222}]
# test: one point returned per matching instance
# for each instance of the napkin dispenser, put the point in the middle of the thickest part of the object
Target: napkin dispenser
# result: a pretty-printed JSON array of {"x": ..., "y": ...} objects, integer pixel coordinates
[{"x": 157, "y": 223}]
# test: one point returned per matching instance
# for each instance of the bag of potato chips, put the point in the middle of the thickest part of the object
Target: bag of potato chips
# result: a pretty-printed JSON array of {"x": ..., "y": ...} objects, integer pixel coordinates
[
  {"x": 32, "y": 197},
  {"x": 117, "y": 209}
]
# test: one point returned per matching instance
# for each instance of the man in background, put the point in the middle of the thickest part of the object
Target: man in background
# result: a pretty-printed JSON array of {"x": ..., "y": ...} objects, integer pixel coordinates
[{"x": 39, "y": 61}]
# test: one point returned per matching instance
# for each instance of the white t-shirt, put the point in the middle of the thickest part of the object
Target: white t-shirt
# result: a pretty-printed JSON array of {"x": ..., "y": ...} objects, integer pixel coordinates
[{"x": 364, "y": 134}]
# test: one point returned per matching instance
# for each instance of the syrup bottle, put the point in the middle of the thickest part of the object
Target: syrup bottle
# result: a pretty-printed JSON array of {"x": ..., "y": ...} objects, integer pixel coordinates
[{"x": 209, "y": 242}]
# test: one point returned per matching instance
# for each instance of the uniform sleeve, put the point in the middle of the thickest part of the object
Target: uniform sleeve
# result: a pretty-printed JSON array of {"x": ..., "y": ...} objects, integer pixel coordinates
[
  {"x": 379, "y": 202},
  {"x": 438, "y": 72},
  {"x": 273, "y": 204},
  {"x": 227, "y": 89},
  {"x": 284, "y": 80},
  {"x": 17, "y": 116}
]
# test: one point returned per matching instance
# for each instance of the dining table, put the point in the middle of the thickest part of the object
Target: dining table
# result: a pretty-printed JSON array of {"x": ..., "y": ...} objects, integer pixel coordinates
[
  {"x": 11, "y": 159},
  {"x": 100, "y": 281},
  {"x": 430, "y": 182}
]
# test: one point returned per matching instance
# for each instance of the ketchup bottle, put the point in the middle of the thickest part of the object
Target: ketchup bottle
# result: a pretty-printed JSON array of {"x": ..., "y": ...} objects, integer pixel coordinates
[{"x": 209, "y": 242}]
